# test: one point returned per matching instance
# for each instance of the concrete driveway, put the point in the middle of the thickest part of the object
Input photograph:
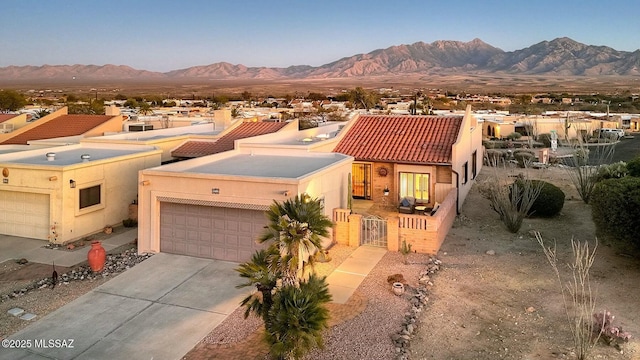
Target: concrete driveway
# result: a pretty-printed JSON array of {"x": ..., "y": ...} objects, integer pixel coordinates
[{"x": 159, "y": 309}]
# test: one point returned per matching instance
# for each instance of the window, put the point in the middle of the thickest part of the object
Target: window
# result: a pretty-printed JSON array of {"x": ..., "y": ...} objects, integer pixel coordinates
[
  {"x": 415, "y": 185},
  {"x": 90, "y": 196},
  {"x": 465, "y": 172},
  {"x": 474, "y": 164}
]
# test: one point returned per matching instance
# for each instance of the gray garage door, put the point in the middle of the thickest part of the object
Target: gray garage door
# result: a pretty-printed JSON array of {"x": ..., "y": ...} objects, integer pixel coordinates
[{"x": 209, "y": 231}]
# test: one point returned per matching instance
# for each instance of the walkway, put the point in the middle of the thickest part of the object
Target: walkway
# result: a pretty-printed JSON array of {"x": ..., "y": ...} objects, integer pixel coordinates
[
  {"x": 346, "y": 278},
  {"x": 13, "y": 247}
]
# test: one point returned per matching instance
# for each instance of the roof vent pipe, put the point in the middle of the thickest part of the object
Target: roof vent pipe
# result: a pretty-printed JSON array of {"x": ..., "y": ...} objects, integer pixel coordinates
[
  {"x": 51, "y": 156},
  {"x": 85, "y": 157}
]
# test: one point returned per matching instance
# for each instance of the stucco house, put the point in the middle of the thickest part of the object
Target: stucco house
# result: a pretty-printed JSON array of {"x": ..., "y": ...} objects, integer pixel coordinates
[
  {"x": 431, "y": 160},
  {"x": 65, "y": 193},
  {"x": 196, "y": 147},
  {"x": 11, "y": 122},
  {"x": 213, "y": 206},
  {"x": 424, "y": 157},
  {"x": 61, "y": 124}
]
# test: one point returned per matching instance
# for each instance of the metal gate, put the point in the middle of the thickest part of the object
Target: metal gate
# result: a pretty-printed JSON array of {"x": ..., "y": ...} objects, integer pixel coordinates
[{"x": 373, "y": 231}]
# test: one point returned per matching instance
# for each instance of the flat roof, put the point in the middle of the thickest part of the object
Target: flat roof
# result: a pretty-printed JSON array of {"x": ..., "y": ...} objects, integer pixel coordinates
[
  {"x": 70, "y": 155},
  {"x": 271, "y": 166}
]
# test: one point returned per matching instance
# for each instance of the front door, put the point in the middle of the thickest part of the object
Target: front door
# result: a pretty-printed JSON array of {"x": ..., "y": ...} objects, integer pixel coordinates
[{"x": 361, "y": 181}]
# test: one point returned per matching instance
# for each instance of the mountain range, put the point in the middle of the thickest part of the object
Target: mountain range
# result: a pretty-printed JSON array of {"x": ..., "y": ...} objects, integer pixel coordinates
[{"x": 561, "y": 56}]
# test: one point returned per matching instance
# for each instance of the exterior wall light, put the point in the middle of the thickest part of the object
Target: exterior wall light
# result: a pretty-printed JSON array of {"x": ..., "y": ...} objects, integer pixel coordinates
[{"x": 72, "y": 184}]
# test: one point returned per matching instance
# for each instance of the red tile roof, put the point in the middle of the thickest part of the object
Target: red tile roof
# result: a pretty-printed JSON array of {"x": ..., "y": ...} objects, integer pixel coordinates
[
  {"x": 195, "y": 148},
  {"x": 5, "y": 117},
  {"x": 65, "y": 125},
  {"x": 401, "y": 139}
]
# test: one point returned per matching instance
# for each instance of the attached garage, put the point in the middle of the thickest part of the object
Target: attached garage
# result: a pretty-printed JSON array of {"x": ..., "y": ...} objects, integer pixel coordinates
[
  {"x": 214, "y": 232},
  {"x": 214, "y": 206},
  {"x": 24, "y": 214}
]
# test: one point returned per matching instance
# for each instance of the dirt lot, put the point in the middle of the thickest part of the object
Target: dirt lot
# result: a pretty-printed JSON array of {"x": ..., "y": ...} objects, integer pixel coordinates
[{"x": 479, "y": 303}]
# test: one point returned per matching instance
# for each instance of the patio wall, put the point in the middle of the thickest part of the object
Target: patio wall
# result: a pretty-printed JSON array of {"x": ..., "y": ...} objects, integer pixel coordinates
[{"x": 425, "y": 233}]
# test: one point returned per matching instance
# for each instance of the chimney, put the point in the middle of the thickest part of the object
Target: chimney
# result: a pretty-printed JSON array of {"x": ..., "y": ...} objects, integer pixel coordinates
[
  {"x": 51, "y": 156},
  {"x": 85, "y": 157}
]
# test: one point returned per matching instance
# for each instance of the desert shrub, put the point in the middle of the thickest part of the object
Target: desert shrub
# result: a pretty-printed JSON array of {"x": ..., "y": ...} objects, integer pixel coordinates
[
  {"x": 514, "y": 136},
  {"x": 511, "y": 202},
  {"x": 545, "y": 139},
  {"x": 581, "y": 156},
  {"x": 488, "y": 144},
  {"x": 524, "y": 158},
  {"x": 615, "y": 205},
  {"x": 633, "y": 167},
  {"x": 584, "y": 176},
  {"x": 494, "y": 144},
  {"x": 130, "y": 223},
  {"x": 549, "y": 202},
  {"x": 577, "y": 294},
  {"x": 520, "y": 151},
  {"x": 612, "y": 171},
  {"x": 495, "y": 157}
]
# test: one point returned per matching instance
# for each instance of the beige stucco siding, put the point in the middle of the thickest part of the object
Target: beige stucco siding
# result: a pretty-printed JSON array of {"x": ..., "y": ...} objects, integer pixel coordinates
[{"x": 245, "y": 192}]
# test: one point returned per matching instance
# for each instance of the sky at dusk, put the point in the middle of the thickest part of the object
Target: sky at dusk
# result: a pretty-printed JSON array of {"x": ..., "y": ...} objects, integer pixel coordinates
[{"x": 161, "y": 35}]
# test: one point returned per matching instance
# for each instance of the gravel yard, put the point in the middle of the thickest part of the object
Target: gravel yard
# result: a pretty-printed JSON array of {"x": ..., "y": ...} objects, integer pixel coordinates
[{"x": 29, "y": 287}]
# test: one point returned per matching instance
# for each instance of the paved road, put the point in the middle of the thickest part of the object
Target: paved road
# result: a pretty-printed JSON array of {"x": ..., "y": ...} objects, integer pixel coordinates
[{"x": 627, "y": 149}]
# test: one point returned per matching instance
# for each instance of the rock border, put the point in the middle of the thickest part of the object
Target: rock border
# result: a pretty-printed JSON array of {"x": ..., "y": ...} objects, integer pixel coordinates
[
  {"x": 418, "y": 299},
  {"x": 115, "y": 264}
]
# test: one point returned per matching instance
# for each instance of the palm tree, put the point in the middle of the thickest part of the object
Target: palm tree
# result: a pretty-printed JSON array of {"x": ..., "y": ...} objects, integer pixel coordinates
[
  {"x": 256, "y": 272},
  {"x": 293, "y": 311},
  {"x": 42, "y": 113},
  {"x": 297, "y": 318},
  {"x": 295, "y": 228},
  {"x": 144, "y": 108}
]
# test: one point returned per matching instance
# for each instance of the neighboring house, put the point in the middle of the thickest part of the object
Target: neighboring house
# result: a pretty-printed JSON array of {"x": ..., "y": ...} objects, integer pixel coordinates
[
  {"x": 65, "y": 193},
  {"x": 213, "y": 206},
  {"x": 424, "y": 157},
  {"x": 164, "y": 139},
  {"x": 11, "y": 122},
  {"x": 225, "y": 141},
  {"x": 164, "y": 118},
  {"x": 567, "y": 126},
  {"x": 60, "y": 124}
]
